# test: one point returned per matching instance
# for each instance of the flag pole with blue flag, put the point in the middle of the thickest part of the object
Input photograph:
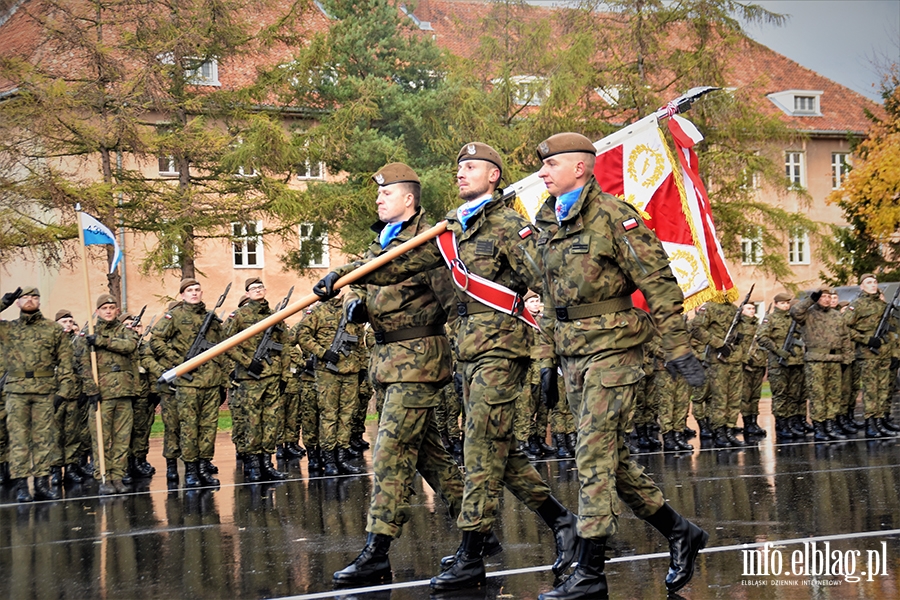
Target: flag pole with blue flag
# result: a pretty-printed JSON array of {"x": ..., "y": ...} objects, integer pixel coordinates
[{"x": 91, "y": 232}]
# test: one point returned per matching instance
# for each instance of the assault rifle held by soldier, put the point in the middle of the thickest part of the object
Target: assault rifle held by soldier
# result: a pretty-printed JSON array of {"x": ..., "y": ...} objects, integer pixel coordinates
[
  {"x": 884, "y": 324},
  {"x": 790, "y": 342},
  {"x": 731, "y": 335},
  {"x": 340, "y": 345},
  {"x": 201, "y": 344},
  {"x": 266, "y": 345}
]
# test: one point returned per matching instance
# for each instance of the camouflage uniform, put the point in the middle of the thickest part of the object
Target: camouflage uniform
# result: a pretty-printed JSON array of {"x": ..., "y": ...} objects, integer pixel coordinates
[
  {"x": 39, "y": 358},
  {"x": 358, "y": 424},
  {"x": 309, "y": 398},
  {"x": 143, "y": 409},
  {"x": 410, "y": 361},
  {"x": 862, "y": 318},
  {"x": 446, "y": 413},
  {"x": 259, "y": 398},
  {"x": 710, "y": 327},
  {"x": 290, "y": 432},
  {"x": 338, "y": 393},
  {"x": 754, "y": 369},
  {"x": 699, "y": 395},
  {"x": 69, "y": 415},
  {"x": 167, "y": 408},
  {"x": 825, "y": 349},
  {"x": 604, "y": 252},
  {"x": 786, "y": 381},
  {"x": 197, "y": 400},
  {"x": 119, "y": 384}
]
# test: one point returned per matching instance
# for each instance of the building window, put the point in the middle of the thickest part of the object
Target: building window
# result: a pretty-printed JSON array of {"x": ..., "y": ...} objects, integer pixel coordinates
[
  {"x": 527, "y": 90},
  {"x": 314, "y": 245},
  {"x": 839, "y": 169},
  {"x": 798, "y": 103},
  {"x": 311, "y": 170},
  {"x": 206, "y": 73},
  {"x": 805, "y": 104},
  {"x": 751, "y": 248},
  {"x": 798, "y": 248},
  {"x": 167, "y": 166},
  {"x": 247, "y": 247},
  {"x": 793, "y": 168}
]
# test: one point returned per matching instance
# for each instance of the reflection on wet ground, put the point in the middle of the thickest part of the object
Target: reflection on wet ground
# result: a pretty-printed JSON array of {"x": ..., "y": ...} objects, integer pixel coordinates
[{"x": 784, "y": 508}]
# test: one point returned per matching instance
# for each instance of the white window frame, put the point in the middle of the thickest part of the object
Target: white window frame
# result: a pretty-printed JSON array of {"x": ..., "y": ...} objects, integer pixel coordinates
[
  {"x": 795, "y": 168},
  {"x": 239, "y": 245},
  {"x": 805, "y": 104},
  {"x": 196, "y": 77},
  {"x": 839, "y": 169},
  {"x": 528, "y": 90},
  {"x": 325, "y": 260},
  {"x": 751, "y": 248},
  {"x": 172, "y": 171},
  {"x": 307, "y": 174},
  {"x": 787, "y": 101},
  {"x": 798, "y": 248}
]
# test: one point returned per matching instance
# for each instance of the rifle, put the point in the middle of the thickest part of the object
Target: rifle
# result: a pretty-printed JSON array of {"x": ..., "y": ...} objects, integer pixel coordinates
[
  {"x": 730, "y": 334},
  {"x": 266, "y": 345},
  {"x": 790, "y": 341},
  {"x": 341, "y": 342},
  {"x": 137, "y": 320},
  {"x": 885, "y": 323},
  {"x": 201, "y": 344},
  {"x": 3, "y": 380},
  {"x": 146, "y": 333}
]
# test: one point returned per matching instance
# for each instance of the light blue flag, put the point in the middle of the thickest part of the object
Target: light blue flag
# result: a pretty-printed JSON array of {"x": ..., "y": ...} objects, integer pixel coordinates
[{"x": 96, "y": 232}]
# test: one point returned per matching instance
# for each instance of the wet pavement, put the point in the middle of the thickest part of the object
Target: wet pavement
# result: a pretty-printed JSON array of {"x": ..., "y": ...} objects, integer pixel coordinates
[{"x": 788, "y": 506}]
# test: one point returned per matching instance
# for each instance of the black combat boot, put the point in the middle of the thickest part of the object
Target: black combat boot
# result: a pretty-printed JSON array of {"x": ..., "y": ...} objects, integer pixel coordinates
[
  {"x": 86, "y": 466},
  {"x": 372, "y": 566},
  {"x": 315, "y": 459},
  {"x": 688, "y": 433},
  {"x": 735, "y": 443},
  {"x": 705, "y": 432},
  {"x": 56, "y": 476},
  {"x": 525, "y": 448},
  {"x": 546, "y": 450},
  {"x": 492, "y": 546},
  {"x": 21, "y": 489},
  {"x": 686, "y": 540},
  {"x": 206, "y": 475},
  {"x": 343, "y": 456},
  {"x": 832, "y": 431},
  {"x": 669, "y": 444},
  {"x": 653, "y": 436},
  {"x": 43, "y": 490},
  {"x": 721, "y": 440},
  {"x": 588, "y": 579},
  {"x": 172, "y": 469},
  {"x": 4, "y": 473},
  {"x": 352, "y": 452},
  {"x": 119, "y": 486},
  {"x": 820, "y": 435},
  {"x": 562, "y": 449},
  {"x": 468, "y": 568},
  {"x": 844, "y": 425},
  {"x": 357, "y": 442},
  {"x": 331, "y": 468},
  {"x": 268, "y": 470},
  {"x": 106, "y": 488},
  {"x": 679, "y": 439},
  {"x": 872, "y": 430},
  {"x": 879, "y": 422},
  {"x": 293, "y": 450},
  {"x": 572, "y": 442},
  {"x": 252, "y": 473},
  {"x": 643, "y": 441},
  {"x": 72, "y": 474},
  {"x": 142, "y": 467},
  {"x": 534, "y": 449},
  {"x": 751, "y": 427},
  {"x": 562, "y": 522},
  {"x": 192, "y": 474},
  {"x": 279, "y": 452},
  {"x": 783, "y": 433},
  {"x": 851, "y": 416},
  {"x": 207, "y": 462},
  {"x": 797, "y": 424}
]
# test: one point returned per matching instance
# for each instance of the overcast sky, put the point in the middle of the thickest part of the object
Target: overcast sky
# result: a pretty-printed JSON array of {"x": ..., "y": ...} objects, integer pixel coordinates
[{"x": 840, "y": 39}]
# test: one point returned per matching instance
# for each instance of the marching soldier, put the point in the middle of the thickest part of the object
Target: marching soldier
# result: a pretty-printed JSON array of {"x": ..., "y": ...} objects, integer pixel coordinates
[
  {"x": 197, "y": 397},
  {"x": 119, "y": 383},
  {"x": 595, "y": 252},
  {"x": 309, "y": 401},
  {"x": 143, "y": 408},
  {"x": 38, "y": 356},
  {"x": 785, "y": 369},
  {"x": 754, "y": 372},
  {"x": 70, "y": 413}
]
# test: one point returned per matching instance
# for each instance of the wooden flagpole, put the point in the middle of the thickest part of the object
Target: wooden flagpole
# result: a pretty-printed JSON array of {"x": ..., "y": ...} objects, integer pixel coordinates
[
  {"x": 94, "y": 370},
  {"x": 373, "y": 265}
]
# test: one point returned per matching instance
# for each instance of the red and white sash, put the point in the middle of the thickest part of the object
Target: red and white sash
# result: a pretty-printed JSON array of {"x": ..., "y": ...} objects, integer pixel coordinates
[{"x": 483, "y": 290}]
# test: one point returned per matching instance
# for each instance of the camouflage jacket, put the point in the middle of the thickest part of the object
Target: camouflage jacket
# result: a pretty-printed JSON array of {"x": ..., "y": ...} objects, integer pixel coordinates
[
  {"x": 38, "y": 355},
  {"x": 153, "y": 369},
  {"x": 711, "y": 326},
  {"x": 117, "y": 364},
  {"x": 416, "y": 302},
  {"x": 826, "y": 340},
  {"x": 654, "y": 355},
  {"x": 79, "y": 345},
  {"x": 499, "y": 244},
  {"x": 862, "y": 318},
  {"x": 172, "y": 338},
  {"x": 771, "y": 335},
  {"x": 249, "y": 314},
  {"x": 755, "y": 357},
  {"x": 316, "y": 332},
  {"x": 602, "y": 251}
]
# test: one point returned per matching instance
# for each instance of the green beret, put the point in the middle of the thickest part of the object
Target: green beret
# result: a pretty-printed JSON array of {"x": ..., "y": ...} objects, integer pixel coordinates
[
  {"x": 251, "y": 281},
  {"x": 479, "y": 151},
  {"x": 186, "y": 283},
  {"x": 395, "y": 173},
  {"x": 31, "y": 291},
  {"x": 561, "y": 143}
]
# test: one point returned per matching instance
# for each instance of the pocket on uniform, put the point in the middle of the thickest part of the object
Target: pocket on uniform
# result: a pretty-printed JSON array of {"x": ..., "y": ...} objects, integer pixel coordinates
[{"x": 619, "y": 376}]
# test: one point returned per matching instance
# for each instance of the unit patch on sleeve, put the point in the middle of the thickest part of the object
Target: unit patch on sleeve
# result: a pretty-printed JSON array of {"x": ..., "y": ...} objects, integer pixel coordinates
[
  {"x": 629, "y": 224},
  {"x": 525, "y": 232}
]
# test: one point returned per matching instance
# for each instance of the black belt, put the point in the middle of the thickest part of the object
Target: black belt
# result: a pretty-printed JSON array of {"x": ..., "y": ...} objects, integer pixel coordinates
[
  {"x": 595, "y": 309},
  {"x": 410, "y": 333},
  {"x": 31, "y": 374},
  {"x": 822, "y": 350},
  {"x": 464, "y": 309}
]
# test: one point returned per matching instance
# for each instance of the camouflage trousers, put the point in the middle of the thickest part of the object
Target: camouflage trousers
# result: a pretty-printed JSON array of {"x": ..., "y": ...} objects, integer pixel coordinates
[
  {"x": 309, "y": 413},
  {"x": 787, "y": 391},
  {"x": 849, "y": 392},
  {"x": 260, "y": 403},
  {"x": 168, "y": 409},
  {"x": 875, "y": 383},
  {"x": 338, "y": 398},
  {"x": 725, "y": 391},
  {"x": 408, "y": 441},
  {"x": 601, "y": 393},
  {"x": 753, "y": 380},
  {"x": 33, "y": 435},
  {"x": 198, "y": 419},
  {"x": 646, "y": 400},
  {"x": 700, "y": 400},
  {"x": 528, "y": 403},
  {"x": 237, "y": 400},
  {"x": 674, "y": 395},
  {"x": 116, "y": 420},
  {"x": 358, "y": 424},
  {"x": 823, "y": 384},
  {"x": 290, "y": 432},
  {"x": 144, "y": 414},
  {"x": 446, "y": 414},
  {"x": 561, "y": 419},
  {"x": 68, "y": 423},
  {"x": 490, "y": 388},
  {"x": 4, "y": 433}
]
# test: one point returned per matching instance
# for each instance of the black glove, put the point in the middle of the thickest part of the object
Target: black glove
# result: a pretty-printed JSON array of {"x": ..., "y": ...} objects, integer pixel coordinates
[
  {"x": 255, "y": 369},
  {"x": 154, "y": 399},
  {"x": 282, "y": 385},
  {"x": 93, "y": 400},
  {"x": 690, "y": 368},
  {"x": 738, "y": 338},
  {"x": 874, "y": 343},
  {"x": 331, "y": 356},
  {"x": 357, "y": 312},
  {"x": 9, "y": 298},
  {"x": 724, "y": 351},
  {"x": 310, "y": 364},
  {"x": 324, "y": 289},
  {"x": 815, "y": 296},
  {"x": 82, "y": 400},
  {"x": 549, "y": 389},
  {"x": 57, "y": 401},
  {"x": 91, "y": 339},
  {"x": 895, "y": 364},
  {"x": 458, "y": 386}
]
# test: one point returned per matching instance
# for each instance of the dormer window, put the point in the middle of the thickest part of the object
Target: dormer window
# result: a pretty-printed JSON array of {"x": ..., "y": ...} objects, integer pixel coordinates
[{"x": 798, "y": 103}]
